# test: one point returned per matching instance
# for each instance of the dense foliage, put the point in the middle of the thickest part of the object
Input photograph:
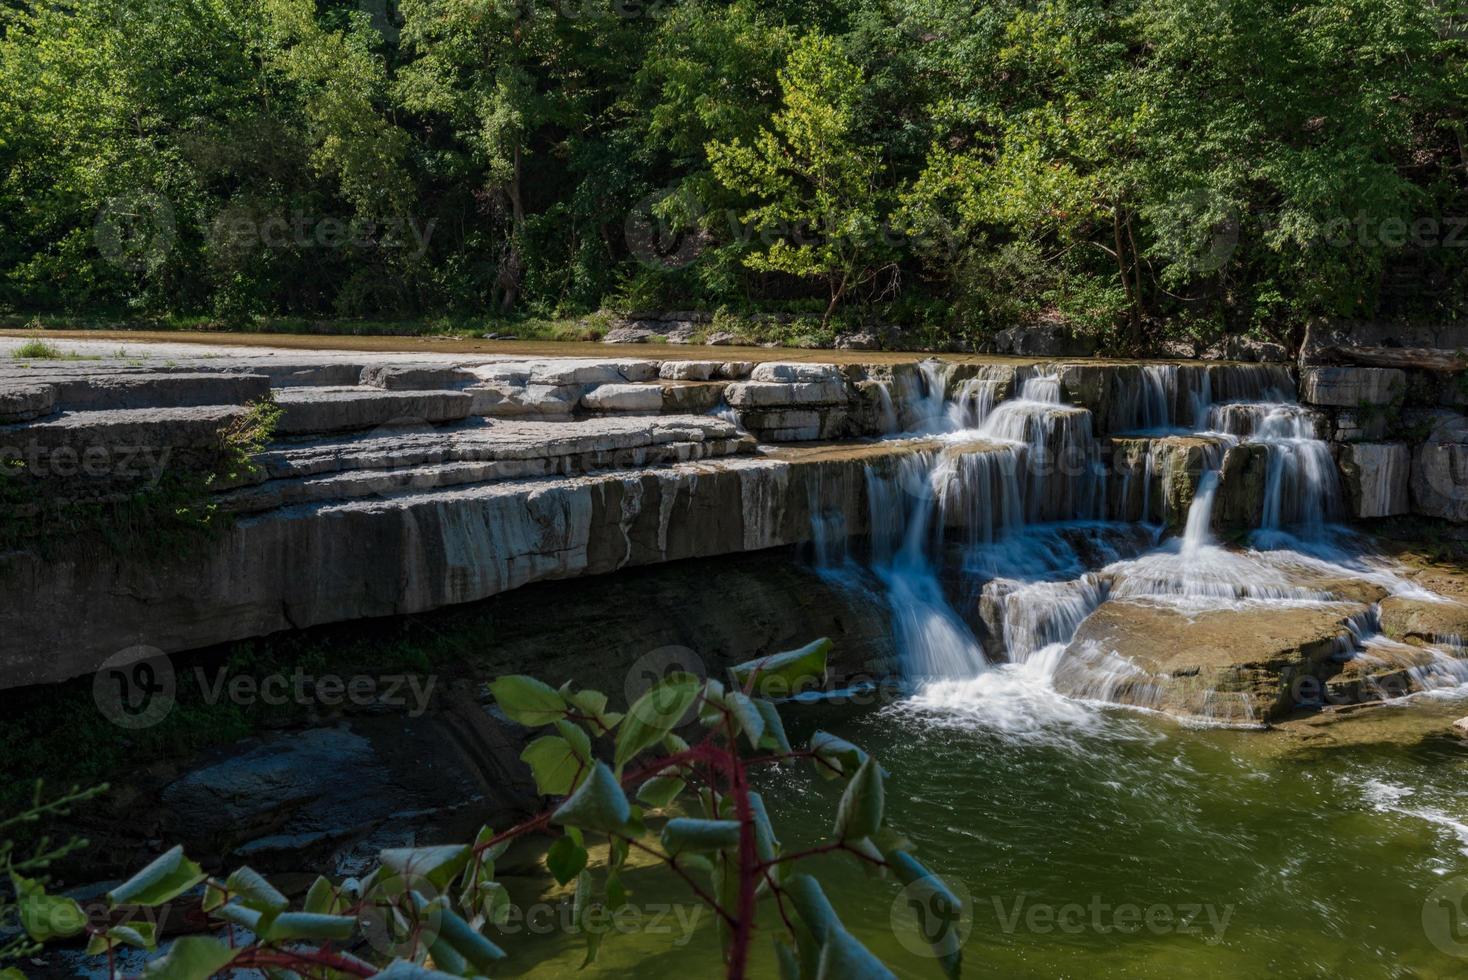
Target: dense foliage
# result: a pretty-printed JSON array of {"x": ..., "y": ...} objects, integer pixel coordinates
[
  {"x": 429, "y": 912},
  {"x": 1132, "y": 166}
]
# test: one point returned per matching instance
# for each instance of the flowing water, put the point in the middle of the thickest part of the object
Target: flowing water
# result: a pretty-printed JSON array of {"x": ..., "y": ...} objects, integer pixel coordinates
[{"x": 1096, "y": 837}]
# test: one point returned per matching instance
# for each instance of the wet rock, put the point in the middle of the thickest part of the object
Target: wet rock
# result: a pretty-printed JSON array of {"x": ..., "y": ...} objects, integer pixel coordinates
[
  {"x": 1375, "y": 478},
  {"x": 1192, "y": 663},
  {"x": 1240, "y": 500},
  {"x": 1424, "y": 621},
  {"x": 1351, "y": 387},
  {"x": 1155, "y": 479}
]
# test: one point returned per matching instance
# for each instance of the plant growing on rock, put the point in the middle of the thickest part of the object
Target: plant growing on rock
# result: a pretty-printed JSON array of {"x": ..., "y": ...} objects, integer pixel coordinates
[{"x": 428, "y": 912}]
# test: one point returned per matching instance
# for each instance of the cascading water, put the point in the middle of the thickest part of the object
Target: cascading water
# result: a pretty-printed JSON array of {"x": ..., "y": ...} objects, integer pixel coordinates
[{"x": 1012, "y": 493}]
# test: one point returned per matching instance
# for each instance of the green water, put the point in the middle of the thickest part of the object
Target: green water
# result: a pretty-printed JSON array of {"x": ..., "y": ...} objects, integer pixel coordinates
[{"x": 1290, "y": 860}]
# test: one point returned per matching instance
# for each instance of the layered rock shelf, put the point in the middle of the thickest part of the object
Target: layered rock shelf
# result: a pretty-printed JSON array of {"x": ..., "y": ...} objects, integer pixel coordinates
[{"x": 402, "y": 483}]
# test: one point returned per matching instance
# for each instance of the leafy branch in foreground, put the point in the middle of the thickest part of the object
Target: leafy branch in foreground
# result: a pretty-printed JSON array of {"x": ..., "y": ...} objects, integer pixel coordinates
[{"x": 426, "y": 911}]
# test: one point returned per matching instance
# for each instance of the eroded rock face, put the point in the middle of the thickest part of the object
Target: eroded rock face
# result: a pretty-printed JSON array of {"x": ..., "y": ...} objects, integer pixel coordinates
[
  {"x": 1440, "y": 470},
  {"x": 1375, "y": 476},
  {"x": 1351, "y": 387},
  {"x": 1192, "y": 663}
]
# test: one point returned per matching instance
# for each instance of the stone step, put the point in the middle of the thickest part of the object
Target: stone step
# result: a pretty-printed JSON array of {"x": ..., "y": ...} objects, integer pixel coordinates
[
  {"x": 674, "y": 397},
  {"x": 105, "y": 390},
  {"x": 308, "y": 411},
  {"x": 160, "y": 428},
  {"x": 594, "y": 442}
]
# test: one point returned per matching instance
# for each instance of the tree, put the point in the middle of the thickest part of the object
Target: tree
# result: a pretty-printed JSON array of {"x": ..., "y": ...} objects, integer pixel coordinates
[{"x": 821, "y": 212}]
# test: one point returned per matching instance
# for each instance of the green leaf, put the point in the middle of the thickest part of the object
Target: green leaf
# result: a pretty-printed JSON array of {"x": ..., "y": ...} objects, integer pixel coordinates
[
  {"x": 785, "y": 957},
  {"x": 403, "y": 970},
  {"x": 577, "y": 738},
  {"x": 162, "y": 881},
  {"x": 843, "y": 958},
  {"x": 766, "y": 844},
  {"x": 143, "y": 935},
  {"x": 11, "y": 973},
  {"x": 659, "y": 791},
  {"x": 527, "y": 701},
  {"x": 783, "y": 674},
  {"x": 191, "y": 958},
  {"x": 465, "y": 939},
  {"x": 250, "y": 888},
  {"x": 655, "y": 714},
  {"x": 691, "y": 834},
  {"x": 565, "y": 859},
  {"x": 933, "y": 894},
  {"x": 775, "y": 737},
  {"x": 308, "y": 925},
  {"x": 814, "y": 908},
  {"x": 841, "y": 758},
  {"x": 239, "y": 915},
  {"x": 321, "y": 898},
  {"x": 46, "y": 917},
  {"x": 440, "y": 865},
  {"x": 553, "y": 764},
  {"x": 493, "y": 902},
  {"x": 598, "y": 804},
  {"x": 860, "y": 811}
]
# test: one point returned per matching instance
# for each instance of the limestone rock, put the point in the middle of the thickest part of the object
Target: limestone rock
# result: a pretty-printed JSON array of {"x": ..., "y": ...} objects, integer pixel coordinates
[
  {"x": 688, "y": 370},
  {"x": 858, "y": 341},
  {"x": 312, "y": 410},
  {"x": 506, "y": 400},
  {"x": 1045, "y": 339},
  {"x": 693, "y": 397},
  {"x": 1440, "y": 470},
  {"x": 1375, "y": 478},
  {"x": 416, "y": 377},
  {"x": 565, "y": 371},
  {"x": 628, "y": 335},
  {"x": 1240, "y": 500},
  {"x": 735, "y": 370},
  {"x": 1462, "y": 726},
  {"x": 1436, "y": 347},
  {"x": 723, "y": 338},
  {"x": 24, "y": 402},
  {"x": 769, "y": 394},
  {"x": 785, "y": 373},
  {"x": 1424, "y": 621},
  {"x": 1351, "y": 387},
  {"x": 161, "y": 390},
  {"x": 1191, "y": 663},
  {"x": 624, "y": 398},
  {"x": 158, "y": 428}
]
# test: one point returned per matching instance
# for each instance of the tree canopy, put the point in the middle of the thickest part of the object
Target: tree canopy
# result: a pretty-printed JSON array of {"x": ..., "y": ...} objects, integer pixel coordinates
[{"x": 1139, "y": 168}]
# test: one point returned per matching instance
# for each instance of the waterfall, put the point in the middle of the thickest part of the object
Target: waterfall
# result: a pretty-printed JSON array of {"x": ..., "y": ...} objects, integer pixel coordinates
[
  {"x": 1064, "y": 476},
  {"x": 1302, "y": 487},
  {"x": 972, "y": 405},
  {"x": 1198, "y": 532}
]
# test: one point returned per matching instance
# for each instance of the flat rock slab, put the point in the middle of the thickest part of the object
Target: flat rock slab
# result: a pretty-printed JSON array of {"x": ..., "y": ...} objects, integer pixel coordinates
[
  {"x": 775, "y": 394},
  {"x": 24, "y": 402},
  {"x": 313, "y": 410},
  {"x": 164, "y": 390},
  {"x": 175, "y": 428},
  {"x": 1428, "y": 621}
]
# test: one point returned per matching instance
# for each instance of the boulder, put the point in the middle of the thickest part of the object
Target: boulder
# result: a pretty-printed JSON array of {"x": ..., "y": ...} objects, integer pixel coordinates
[
  {"x": 1048, "y": 339},
  {"x": 1191, "y": 663},
  {"x": 680, "y": 333},
  {"x": 628, "y": 335},
  {"x": 1351, "y": 387},
  {"x": 858, "y": 341},
  {"x": 734, "y": 370},
  {"x": 723, "y": 338},
  {"x": 1375, "y": 477},
  {"x": 1461, "y": 725}
]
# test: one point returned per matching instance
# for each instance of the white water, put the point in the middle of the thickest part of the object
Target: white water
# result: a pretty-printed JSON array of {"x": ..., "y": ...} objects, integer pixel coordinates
[{"x": 1011, "y": 504}]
